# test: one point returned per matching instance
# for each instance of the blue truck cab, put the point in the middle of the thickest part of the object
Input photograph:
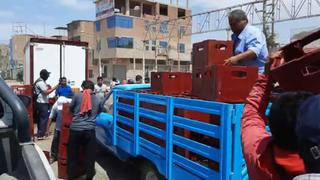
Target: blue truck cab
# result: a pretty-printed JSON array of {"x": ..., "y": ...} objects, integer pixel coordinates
[{"x": 123, "y": 131}]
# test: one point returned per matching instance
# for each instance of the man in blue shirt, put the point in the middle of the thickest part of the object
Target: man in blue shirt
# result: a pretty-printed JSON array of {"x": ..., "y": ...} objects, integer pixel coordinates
[
  {"x": 63, "y": 89},
  {"x": 250, "y": 47}
]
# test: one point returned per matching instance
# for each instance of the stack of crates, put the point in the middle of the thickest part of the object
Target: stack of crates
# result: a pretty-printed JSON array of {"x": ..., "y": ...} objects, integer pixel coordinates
[
  {"x": 214, "y": 81},
  {"x": 299, "y": 66},
  {"x": 63, "y": 143}
]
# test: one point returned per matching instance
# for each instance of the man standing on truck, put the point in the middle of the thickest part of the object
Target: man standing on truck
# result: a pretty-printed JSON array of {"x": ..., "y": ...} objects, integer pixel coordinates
[
  {"x": 85, "y": 108},
  {"x": 41, "y": 91},
  {"x": 250, "y": 47}
]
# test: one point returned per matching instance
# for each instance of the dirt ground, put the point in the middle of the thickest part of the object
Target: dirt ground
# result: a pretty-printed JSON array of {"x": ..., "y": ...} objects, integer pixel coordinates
[{"x": 107, "y": 166}]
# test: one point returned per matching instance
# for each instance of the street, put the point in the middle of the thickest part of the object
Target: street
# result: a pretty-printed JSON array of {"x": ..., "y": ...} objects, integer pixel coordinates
[{"x": 107, "y": 166}]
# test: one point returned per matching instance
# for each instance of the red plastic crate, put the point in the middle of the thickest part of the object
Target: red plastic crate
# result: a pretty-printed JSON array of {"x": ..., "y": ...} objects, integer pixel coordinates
[
  {"x": 62, "y": 169},
  {"x": 63, "y": 154},
  {"x": 26, "y": 90},
  {"x": 295, "y": 49},
  {"x": 211, "y": 52},
  {"x": 197, "y": 77},
  {"x": 67, "y": 116},
  {"x": 230, "y": 84},
  {"x": 302, "y": 74},
  {"x": 170, "y": 83}
]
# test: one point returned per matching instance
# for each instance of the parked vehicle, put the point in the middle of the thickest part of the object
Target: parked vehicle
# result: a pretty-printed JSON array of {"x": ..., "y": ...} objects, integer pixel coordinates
[
  {"x": 60, "y": 57},
  {"x": 20, "y": 157},
  {"x": 149, "y": 131}
]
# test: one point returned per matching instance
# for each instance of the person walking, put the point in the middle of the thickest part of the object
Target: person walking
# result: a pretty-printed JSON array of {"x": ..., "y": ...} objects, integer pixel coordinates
[
  {"x": 85, "y": 107},
  {"x": 41, "y": 91}
]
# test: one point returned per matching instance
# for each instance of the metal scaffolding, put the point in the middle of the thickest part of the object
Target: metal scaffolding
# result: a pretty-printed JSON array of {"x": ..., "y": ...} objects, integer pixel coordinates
[{"x": 259, "y": 12}]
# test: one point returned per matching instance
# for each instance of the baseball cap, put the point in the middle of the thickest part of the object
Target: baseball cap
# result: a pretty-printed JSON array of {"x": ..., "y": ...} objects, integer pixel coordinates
[
  {"x": 44, "y": 71},
  {"x": 308, "y": 128}
]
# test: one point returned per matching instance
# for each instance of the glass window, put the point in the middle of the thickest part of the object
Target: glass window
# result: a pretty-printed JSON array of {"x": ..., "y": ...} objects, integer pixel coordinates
[
  {"x": 154, "y": 44},
  {"x": 120, "y": 22},
  {"x": 98, "y": 26},
  {"x": 164, "y": 27},
  {"x": 120, "y": 42},
  {"x": 182, "y": 31},
  {"x": 146, "y": 44},
  {"x": 182, "y": 48},
  {"x": 163, "y": 44}
]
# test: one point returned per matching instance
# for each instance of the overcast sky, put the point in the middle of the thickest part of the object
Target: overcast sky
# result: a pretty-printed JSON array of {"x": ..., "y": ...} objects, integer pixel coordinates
[{"x": 41, "y": 16}]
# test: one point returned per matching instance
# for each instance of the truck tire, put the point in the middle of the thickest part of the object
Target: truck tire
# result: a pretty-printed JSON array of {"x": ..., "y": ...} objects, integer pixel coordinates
[{"x": 149, "y": 172}]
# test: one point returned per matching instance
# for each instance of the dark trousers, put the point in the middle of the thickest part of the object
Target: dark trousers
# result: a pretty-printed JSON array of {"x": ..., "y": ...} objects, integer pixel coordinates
[
  {"x": 85, "y": 140},
  {"x": 42, "y": 113},
  {"x": 55, "y": 145}
]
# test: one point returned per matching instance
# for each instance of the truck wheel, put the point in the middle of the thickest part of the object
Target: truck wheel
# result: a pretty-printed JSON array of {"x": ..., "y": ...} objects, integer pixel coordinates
[{"x": 149, "y": 172}]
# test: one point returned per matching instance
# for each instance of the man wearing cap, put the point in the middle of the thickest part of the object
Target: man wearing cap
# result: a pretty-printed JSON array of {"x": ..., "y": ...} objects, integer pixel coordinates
[
  {"x": 41, "y": 92},
  {"x": 308, "y": 134},
  {"x": 250, "y": 47},
  {"x": 56, "y": 114}
]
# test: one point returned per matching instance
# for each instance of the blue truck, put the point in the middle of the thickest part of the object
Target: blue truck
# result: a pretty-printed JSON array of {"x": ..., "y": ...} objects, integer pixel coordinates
[{"x": 122, "y": 131}]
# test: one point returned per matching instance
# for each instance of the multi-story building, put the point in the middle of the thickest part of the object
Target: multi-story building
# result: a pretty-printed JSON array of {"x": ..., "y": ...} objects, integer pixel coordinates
[
  {"x": 83, "y": 30},
  {"x": 135, "y": 37}
]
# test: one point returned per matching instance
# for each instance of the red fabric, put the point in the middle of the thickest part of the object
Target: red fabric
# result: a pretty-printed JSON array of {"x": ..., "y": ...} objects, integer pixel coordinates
[
  {"x": 86, "y": 104},
  {"x": 261, "y": 157},
  {"x": 285, "y": 159}
]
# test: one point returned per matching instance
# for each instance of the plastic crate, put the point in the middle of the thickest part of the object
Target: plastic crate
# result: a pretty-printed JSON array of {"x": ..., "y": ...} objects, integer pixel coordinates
[
  {"x": 231, "y": 84},
  {"x": 170, "y": 83},
  {"x": 295, "y": 49},
  {"x": 197, "y": 76},
  {"x": 302, "y": 74},
  {"x": 26, "y": 90},
  {"x": 211, "y": 52}
]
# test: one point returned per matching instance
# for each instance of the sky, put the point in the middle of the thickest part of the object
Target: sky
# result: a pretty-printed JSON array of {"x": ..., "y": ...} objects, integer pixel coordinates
[{"x": 42, "y": 16}]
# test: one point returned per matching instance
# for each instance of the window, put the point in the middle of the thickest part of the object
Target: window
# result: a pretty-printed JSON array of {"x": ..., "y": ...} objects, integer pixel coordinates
[
  {"x": 148, "y": 9},
  {"x": 181, "y": 13},
  {"x": 105, "y": 71},
  {"x": 90, "y": 73},
  {"x": 146, "y": 25},
  {"x": 163, "y": 10},
  {"x": 163, "y": 44},
  {"x": 154, "y": 28},
  {"x": 164, "y": 27},
  {"x": 98, "y": 26},
  {"x": 182, "y": 31},
  {"x": 120, "y": 22},
  {"x": 182, "y": 48},
  {"x": 146, "y": 44},
  {"x": 120, "y": 42},
  {"x": 154, "y": 44}
]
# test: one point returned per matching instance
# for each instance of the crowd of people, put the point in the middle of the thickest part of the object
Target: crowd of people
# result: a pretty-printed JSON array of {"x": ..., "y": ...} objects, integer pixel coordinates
[{"x": 84, "y": 106}]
